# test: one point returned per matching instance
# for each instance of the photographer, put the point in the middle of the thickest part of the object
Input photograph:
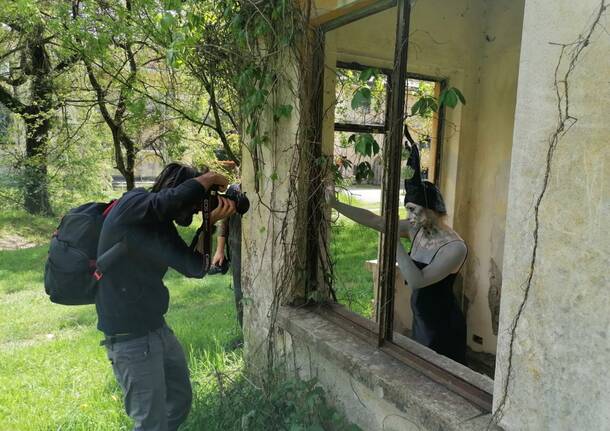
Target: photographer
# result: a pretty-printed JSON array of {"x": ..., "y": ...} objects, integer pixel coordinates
[{"x": 147, "y": 359}]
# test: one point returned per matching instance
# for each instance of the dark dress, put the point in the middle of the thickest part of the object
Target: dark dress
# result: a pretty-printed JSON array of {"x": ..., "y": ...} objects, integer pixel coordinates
[{"x": 438, "y": 322}]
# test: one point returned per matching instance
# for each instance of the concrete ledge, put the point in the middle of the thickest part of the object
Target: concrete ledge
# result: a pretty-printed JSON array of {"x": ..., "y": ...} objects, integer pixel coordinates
[{"x": 424, "y": 402}]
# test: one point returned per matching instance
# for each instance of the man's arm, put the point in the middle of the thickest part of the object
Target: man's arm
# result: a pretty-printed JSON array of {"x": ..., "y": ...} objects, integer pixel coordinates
[
  {"x": 168, "y": 203},
  {"x": 179, "y": 256},
  {"x": 165, "y": 205}
]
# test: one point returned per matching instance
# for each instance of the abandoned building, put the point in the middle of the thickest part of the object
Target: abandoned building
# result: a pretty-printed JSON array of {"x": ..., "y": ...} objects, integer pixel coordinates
[{"x": 523, "y": 170}]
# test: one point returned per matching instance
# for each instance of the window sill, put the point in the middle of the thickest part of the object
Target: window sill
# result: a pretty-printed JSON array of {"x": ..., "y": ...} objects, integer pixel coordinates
[{"x": 429, "y": 403}]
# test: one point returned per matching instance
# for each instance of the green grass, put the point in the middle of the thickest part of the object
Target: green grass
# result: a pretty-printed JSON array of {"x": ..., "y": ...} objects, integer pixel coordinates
[
  {"x": 53, "y": 372},
  {"x": 351, "y": 246},
  {"x": 55, "y": 376}
]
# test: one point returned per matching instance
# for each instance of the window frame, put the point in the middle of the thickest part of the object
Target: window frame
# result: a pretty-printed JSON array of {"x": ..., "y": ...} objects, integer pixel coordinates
[
  {"x": 383, "y": 128},
  {"x": 380, "y": 333}
]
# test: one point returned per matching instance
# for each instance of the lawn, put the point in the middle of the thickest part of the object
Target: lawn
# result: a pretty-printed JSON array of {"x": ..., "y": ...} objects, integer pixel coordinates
[
  {"x": 53, "y": 372},
  {"x": 55, "y": 376},
  {"x": 351, "y": 246}
]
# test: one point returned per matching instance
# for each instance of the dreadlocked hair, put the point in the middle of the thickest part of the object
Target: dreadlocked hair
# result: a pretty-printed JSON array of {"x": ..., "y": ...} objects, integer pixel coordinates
[{"x": 175, "y": 174}]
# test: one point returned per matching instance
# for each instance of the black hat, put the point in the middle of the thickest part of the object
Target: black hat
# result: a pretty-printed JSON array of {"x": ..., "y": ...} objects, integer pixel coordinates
[{"x": 419, "y": 192}]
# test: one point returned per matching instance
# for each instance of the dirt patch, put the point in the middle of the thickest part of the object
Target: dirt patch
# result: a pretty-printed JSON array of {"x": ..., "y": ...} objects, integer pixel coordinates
[{"x": 14, "y": 242}]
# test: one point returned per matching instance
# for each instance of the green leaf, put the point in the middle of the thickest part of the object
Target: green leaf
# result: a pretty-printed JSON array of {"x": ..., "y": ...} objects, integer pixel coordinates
[
  {"x": 282, "y": 111},
  {"x": 362, "y": 97},
  {"x": 424, "y": 106},
  {"x": 366, "y": 145},
  {"x": 360, "y": 147},
  {"x": 137, "y": 107},
  {"x": 274, "y": 176},
  {"x": 364, "y": 171},
  {"x": 450, "y": 97},
  {"x": 460, "y": 95},
  {"x": 367, "y": 74},
  {"x": 417, "y": 107}
]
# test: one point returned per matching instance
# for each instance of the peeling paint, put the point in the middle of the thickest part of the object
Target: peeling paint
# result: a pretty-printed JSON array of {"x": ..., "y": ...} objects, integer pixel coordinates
[{"x": 493, "y": 296}]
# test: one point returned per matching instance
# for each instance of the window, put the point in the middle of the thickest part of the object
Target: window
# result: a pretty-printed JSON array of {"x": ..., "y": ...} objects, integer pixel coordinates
[
  {"x": 356, "y": 285},
  {"x": 398, "y": 89}
]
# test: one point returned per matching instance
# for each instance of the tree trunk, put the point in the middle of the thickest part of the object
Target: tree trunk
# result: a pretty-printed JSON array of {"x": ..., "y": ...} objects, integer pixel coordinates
[
  {"x": 37, "y": 122},
  {"x": 129, "y": 180},
  {"x": 125, "y": 164},
  {"x": 36, "y": 180}
]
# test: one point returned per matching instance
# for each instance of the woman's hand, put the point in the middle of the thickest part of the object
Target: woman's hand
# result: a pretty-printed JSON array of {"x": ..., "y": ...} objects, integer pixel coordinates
[
  {"x": 329, "y": 196},
  {"x": 218, "y": 259},
  {"x": 225, "y": 208}
]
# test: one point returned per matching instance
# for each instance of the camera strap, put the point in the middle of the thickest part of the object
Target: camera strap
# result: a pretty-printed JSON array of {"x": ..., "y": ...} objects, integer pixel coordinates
[{"x": 206, "y": 231}]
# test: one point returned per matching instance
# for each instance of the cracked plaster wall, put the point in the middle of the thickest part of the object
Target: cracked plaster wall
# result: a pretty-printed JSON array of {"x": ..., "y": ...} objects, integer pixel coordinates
[{"x": 561, "y": 345}]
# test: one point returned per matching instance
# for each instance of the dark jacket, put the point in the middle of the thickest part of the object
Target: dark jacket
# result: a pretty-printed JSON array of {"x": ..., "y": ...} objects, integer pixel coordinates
[{"x": 132, "y": 297}]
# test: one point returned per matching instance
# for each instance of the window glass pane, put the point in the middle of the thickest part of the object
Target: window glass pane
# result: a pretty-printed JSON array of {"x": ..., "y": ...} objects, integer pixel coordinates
[
  {"x": 423, "y": 128},
  {"x": 352, "y": 90},
  {"x": 354, "y": 247}
]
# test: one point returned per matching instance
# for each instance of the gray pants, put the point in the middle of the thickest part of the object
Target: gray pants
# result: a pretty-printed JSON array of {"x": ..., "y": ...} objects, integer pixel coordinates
[{"x": 154, "y": 376}]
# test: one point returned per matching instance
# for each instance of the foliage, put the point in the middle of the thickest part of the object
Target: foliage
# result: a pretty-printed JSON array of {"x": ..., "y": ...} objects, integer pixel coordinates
[
  {"x": 34, "y": 65},
  {"x": 143, "y": 102},
  {"x": 352, "y": 246},
  {"x": 427, "y": 104}
]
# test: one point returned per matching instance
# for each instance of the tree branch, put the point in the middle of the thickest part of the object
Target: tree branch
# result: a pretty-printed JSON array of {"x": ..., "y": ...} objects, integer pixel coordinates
[{"x": 11, "y": 102}]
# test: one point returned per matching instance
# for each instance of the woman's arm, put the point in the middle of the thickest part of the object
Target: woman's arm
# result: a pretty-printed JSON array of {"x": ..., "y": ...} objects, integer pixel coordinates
[
  {"x": 359, "y": 215},
  {"x": 219, "y": 256},
  {"x": 448, "y": 260},
  {"x": 406, "y": 227}
]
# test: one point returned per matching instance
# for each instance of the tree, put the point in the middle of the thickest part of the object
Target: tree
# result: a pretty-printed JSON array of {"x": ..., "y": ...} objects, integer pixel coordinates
[
  {"x": 104, "y": 36},
  {"x": 33, "y": 62},
  {"x": 198, "y": 38}
]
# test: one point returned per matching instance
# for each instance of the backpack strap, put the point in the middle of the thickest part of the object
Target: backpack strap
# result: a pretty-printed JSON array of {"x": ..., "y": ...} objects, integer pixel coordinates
[
  {"x": 113, "y": 253},
  {"x": 110, "y": 256},
  {"x": 111, "y": 205},
  {"x": 206, "y": 231}
]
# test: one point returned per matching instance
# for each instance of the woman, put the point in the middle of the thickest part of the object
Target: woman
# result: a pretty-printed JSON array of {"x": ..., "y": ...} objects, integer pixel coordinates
[{"x": 437, "y": 255}]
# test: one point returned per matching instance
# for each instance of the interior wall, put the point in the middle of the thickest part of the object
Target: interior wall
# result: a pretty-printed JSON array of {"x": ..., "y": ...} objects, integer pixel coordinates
[
  {"x": 474, "y": 44},
  {"x": 483, "y": 195}
]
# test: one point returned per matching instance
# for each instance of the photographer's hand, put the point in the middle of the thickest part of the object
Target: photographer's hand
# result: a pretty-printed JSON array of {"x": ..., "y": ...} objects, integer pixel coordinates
[
  {"x": 210, "y": 179},
  {"x": 225, "y": 208}
]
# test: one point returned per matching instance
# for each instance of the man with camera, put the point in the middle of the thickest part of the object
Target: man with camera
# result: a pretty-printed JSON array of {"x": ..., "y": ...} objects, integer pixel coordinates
[{"x": 147, "y": 359}]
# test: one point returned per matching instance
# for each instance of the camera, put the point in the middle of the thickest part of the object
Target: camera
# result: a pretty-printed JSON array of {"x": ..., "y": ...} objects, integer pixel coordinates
[{"x": 233, "y": 192}]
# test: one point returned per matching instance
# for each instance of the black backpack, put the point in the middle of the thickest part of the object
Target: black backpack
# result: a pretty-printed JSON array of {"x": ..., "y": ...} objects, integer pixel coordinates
[{"x": 73, "y": 268}]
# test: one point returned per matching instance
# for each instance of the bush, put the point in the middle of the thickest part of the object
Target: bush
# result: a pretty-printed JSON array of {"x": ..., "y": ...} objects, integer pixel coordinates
[{"x": 226, "y": 399}]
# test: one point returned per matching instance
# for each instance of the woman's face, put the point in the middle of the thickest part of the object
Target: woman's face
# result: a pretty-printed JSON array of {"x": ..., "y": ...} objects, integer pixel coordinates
[{"x": 416, "y": 214}]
